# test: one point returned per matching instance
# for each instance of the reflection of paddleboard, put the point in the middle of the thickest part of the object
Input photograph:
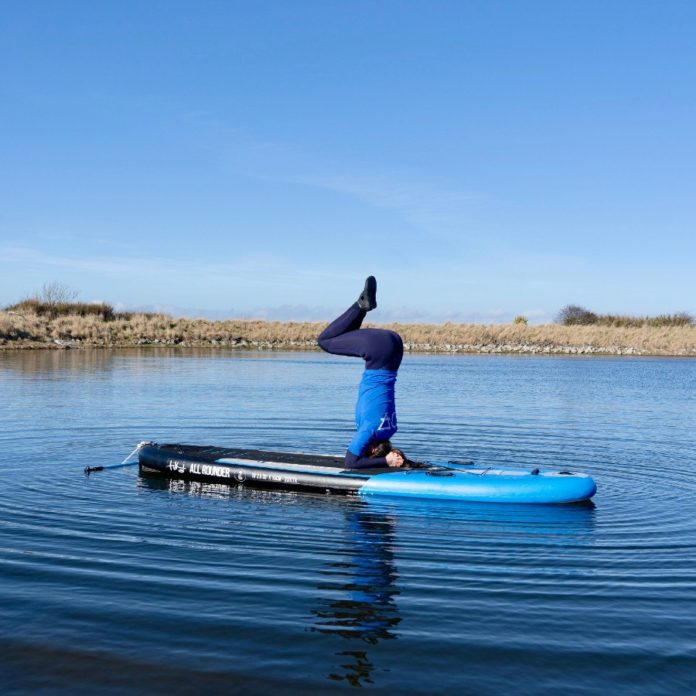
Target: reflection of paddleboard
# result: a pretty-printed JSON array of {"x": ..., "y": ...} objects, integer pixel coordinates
[{"x": 311, "y": 472}]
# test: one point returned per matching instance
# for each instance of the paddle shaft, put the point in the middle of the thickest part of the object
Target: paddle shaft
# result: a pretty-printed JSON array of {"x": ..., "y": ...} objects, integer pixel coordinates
[
  {"x": 91, "y": 469},
  {"x": 126, "y": 462}
]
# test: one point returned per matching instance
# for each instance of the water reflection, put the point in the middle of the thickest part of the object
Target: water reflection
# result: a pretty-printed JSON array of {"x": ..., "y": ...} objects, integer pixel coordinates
[
  {"x": 356, "y": 576},
  {"x": 47, "y": 362},
  {"x": 356, "y": 593},
  {"x": 94, "y": 360},
  {"x": 364, "y": 612}
]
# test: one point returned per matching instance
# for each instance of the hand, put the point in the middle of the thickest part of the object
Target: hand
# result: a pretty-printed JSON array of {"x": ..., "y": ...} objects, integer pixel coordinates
[{"x": 395, "y": 459}]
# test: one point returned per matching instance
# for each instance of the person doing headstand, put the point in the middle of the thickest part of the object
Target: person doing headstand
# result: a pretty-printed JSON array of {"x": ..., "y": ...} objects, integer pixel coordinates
[{"x": 375, "y": 410}]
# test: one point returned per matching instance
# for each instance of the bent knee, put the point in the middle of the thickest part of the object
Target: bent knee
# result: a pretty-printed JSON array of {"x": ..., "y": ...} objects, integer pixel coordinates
[
  {"x": 388, "y": 351},
  {"x": 396, "y": 344},
  {"x": 398, "y": 341}
]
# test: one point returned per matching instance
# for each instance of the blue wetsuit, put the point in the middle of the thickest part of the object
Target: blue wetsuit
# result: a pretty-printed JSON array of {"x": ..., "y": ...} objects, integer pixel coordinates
[{"x": 375, "y": 410}]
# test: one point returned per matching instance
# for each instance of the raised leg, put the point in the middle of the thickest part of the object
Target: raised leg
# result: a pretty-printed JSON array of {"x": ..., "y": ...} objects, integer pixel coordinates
[
  {"x": 381, "y": 349},
  {"x": 350, "y": 320}
]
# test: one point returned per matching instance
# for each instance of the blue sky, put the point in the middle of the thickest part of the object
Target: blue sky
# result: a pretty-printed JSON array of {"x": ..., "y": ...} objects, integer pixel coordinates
[{"x": 482, "y": 159}]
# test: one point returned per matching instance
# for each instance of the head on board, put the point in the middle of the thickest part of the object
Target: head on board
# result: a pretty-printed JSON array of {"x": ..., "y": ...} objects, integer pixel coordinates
[{"x": 383, "y": 448}]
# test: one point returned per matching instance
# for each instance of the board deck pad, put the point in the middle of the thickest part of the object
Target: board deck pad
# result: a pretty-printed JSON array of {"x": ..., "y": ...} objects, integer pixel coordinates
[{"x": 215, "y": 454}]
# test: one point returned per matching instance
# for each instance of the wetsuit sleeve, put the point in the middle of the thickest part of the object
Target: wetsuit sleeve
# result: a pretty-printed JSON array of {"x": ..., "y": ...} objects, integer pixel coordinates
[
  {"x": 360, "y": 441},
  {"x": 352, "y": 461},
  {"x": 354, "y": 458}
]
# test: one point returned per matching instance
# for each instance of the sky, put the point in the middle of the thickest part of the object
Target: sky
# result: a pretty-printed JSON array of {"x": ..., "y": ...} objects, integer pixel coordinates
[{"x": 483, "y": 159}]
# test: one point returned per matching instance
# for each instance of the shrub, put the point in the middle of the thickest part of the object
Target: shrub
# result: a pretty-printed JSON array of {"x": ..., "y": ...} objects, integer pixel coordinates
[
  {"x": 129, "y": 316},
  {"x": 58, "y": 300},
  {"x": 519, "y": 319},
  {"x": 63, "y": 309},
  {"x": 572, "y": 315},
  {"x": 678, "y": 319},
  {"x": 56, "y": 294}
]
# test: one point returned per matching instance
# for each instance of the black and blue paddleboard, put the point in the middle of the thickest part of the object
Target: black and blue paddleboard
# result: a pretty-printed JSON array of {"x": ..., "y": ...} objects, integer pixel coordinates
[{"x": 321, "y": 473}]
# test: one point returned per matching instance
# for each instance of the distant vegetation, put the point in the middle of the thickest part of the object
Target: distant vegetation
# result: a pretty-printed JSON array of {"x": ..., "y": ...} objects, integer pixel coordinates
[
  {"x": 573, "y": 315},
  {"x": 126, "y": 330},
  {"x": 54, "y": 319},
  {"x": 58, "y": 300},
  {"x": 62, "y": 309}
]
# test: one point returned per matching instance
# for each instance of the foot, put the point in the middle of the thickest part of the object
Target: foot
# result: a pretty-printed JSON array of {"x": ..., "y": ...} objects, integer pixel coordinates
[{"x": 368, "y": 297}]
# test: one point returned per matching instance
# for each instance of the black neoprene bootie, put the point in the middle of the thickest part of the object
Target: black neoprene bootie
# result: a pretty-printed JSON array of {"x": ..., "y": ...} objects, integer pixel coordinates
[{"x": 368, "y": 297}]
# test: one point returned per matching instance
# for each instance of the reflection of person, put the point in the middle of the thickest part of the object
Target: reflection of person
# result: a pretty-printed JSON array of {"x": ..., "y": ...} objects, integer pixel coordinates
[
  {"x": 364, "y": 613},
  {"x": 375, "y": 411}
]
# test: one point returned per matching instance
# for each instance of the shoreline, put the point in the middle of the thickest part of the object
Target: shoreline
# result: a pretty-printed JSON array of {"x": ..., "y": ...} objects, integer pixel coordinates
[{"x": 31, "y": 332}]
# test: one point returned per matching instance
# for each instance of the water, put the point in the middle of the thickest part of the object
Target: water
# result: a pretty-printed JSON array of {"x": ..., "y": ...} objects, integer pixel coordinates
[{"x": 114, "y": 582}]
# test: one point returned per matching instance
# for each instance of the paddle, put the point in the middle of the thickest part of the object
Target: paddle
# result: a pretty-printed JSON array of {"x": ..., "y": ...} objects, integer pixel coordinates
[{"x": 124, "y": 463}]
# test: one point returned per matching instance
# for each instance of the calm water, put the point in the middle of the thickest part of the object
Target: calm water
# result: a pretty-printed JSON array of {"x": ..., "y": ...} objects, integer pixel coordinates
[{"x": 117, "y": 582}]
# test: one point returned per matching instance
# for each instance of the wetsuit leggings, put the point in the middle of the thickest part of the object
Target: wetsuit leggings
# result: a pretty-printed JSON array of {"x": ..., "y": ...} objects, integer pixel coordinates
[{"x": 379, "y": 348}]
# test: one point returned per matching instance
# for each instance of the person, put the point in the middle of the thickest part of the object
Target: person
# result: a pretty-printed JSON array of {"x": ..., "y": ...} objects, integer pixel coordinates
[{"x": 375, "y": 410}]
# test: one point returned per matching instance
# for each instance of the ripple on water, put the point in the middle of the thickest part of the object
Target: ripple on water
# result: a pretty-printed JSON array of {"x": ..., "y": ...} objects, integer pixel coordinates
[{"x": 118, "y": 581}]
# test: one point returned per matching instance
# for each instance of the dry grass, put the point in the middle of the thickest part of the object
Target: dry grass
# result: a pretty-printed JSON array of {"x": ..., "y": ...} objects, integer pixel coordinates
[{"x": 34, "y": 331}]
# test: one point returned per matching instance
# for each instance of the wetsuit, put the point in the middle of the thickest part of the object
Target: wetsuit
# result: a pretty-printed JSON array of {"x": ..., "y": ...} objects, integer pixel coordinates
[{"x": 375, "y": 410}]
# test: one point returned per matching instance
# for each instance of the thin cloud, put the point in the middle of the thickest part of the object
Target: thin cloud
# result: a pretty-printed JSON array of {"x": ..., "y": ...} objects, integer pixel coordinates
[
  {"x": 428, "y": 207},
  {"x": 431, "y": 207},
  {"x": 128, "y": 266}
]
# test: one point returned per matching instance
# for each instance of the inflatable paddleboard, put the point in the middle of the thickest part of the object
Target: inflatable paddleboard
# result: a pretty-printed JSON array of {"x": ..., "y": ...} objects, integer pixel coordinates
[{"x": 322, "y": 473}]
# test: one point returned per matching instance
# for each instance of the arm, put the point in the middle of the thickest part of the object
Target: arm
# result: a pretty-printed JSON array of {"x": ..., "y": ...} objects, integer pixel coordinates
[
  {"x": 353, "y": 461},
  {"x": 358, "y": 444}
]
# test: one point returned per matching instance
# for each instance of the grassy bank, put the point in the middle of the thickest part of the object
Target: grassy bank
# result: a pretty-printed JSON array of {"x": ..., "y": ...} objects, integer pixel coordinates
[{"x": 37, "y": 331}]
